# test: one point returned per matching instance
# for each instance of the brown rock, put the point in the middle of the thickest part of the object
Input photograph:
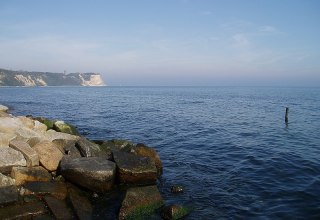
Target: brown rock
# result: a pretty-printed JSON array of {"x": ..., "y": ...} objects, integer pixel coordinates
[
  {"x": 145, "y": 151},
  {"x": 49, "y": 155},
  {"x": 55, "y": 189},
  {"x": 29, "y": 154},
  {"x": 139, "y": 202},
  {"x": 32, "y": 174},
  {"x": 59, "y": 208},
  {"x": 133, "y": 169},
  {"x": 67, "y": 147},
  {"x": 24, "y": 211}
]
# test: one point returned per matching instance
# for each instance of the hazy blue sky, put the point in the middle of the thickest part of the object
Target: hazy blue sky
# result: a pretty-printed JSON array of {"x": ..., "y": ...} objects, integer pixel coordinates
[{"x": 168, "y": 42}]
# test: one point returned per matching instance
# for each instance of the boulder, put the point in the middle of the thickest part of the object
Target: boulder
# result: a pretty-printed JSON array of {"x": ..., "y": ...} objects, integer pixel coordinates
[
  {"x": 61, "y": 126},
  {"x": 176, "y": 189},
  {"x": 39, "y": 127},
  {"x": 139, "y": 202},
  {"x": 26, "y": 122},
  {"x": 145, "y": 151},
  {"x": 58, "y": 208},
  {"x": 173, "y": 212},
  {"x": 6, "y": 138},
  {"x": 8, "y": 194},
  {"x": 3, "y": 108},
  {"x": 30, "y": 174},
  {"x": 9, "y": 124},
  {"x": 49, "y": 123},
  {"x": 55, "y": 189},
  {"x": 23, "y": 211},
  {"x": 53, "y": 135},
  {"x": 133, "y": 169},
  {"x": 67, "y": 147},
  {"x": 90, "y": 149},
  {"x": 80, "y": 204},
  {"x": 10, "y": 158},
  {"x": 29, "y": 154},
  {"x": 6, "y": 181},
  {"x": 94, "y": 173},
  {"x": 49, "y": 155}
]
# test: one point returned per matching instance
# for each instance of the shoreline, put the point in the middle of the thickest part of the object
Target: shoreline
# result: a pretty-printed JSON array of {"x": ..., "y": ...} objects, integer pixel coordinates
[{"x": 46, "y": 166}]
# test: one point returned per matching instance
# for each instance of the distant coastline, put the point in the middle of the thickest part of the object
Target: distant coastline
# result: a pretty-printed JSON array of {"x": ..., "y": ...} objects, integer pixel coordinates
[{"x": 21, "y": 78}]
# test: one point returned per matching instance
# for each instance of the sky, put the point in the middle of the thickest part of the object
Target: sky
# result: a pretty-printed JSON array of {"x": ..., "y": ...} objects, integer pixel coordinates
[{"x": 166, "y": 42}]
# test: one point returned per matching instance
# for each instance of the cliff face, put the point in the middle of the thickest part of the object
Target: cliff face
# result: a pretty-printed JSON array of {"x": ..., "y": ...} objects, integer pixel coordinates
[{"x": 24, "y": 78}]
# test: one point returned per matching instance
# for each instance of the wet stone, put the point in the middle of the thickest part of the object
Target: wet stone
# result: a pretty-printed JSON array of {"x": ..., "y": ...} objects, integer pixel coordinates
[
  {"x": 24, "y": 211},
  {"x": 145, "y": 151},
  {"x": 176, "y": 189},
  {"x": 29, "y": 154},
  {"x": 139, "y": 202},
  {"x": 133, "y": 169},
  {"x": 59, "y": 208},
  {"x": 81, "y": 204},
  {"x": 55, "y": 189},
  {"x": 30, "y": 174},
  {"x": 94, "y": 173},
  {"x": 173, "y": 212},
  {"x": 8, "y": 194}
]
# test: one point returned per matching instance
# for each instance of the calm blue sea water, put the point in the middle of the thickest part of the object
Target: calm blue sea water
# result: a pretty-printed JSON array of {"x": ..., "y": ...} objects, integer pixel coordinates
[{"x": 229, "y": 147}]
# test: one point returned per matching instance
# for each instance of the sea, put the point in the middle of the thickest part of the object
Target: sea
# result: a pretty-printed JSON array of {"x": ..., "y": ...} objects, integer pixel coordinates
[{"x": 229, "y": 147}]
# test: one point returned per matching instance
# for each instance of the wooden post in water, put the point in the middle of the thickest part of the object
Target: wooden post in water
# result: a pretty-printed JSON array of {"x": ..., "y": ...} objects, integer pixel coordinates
[{"x": 286, "y": 117}]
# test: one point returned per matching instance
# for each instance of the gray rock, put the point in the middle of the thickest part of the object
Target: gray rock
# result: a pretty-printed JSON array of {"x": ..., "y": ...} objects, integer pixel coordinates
[
  {"x": 6, "y": 181},
  {"x": 10, "y": 158},
  {"x": 90, "y": 149},
  {"x": 8, "y": 194},
  {"x": 139, "y": 202},
  {"x": 3, "y": 108},
  {"x": 94, "y": 173},
  {"x": 133, "y": 169},
  {"x": 29, "y": 154},
  {"x": 24, "y": 211}
]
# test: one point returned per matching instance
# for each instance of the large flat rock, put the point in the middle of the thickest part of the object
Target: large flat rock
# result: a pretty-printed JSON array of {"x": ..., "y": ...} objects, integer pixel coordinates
[
  {"x": 49, "y": 155},
  {"x": 55, "y": 189},
  {"x": 58, "y": 208},
  {"x": 30, "y": 174},
  {"x": 134, "y": 169},
  {"x": 29, "y": 154},
  {"x": 24, "y": 211},
  {"x": 139, "y": 202},
  {"x": 10, "y": 158},
  {"x": 94, "y": 173}
]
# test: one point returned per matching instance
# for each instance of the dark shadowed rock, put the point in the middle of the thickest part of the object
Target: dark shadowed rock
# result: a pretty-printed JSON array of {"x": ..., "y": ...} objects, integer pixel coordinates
[
  {"x": 90, "y": 149},
  {"x": 55, "y": 189},
  {"x": 8, "y": 194},
  {"x": 59, "y": 208},
  {"x": 176, "y": 189},
  {"x": 30, "y": 174},
  {"x": 139, "y": 202},
  {"x": 173, "y": 212},
  {"x": 80, "y": 204},
  {"x": 24, "y": 211},
  {"x": 29, "y": 154},
  {"x": 64, "y": 127},
  {"x": 67, "y": 147},
  {"x": 93, "y": 173},
  {"x": 145, "y": 151},
  {"x": 133, "y": 169}
]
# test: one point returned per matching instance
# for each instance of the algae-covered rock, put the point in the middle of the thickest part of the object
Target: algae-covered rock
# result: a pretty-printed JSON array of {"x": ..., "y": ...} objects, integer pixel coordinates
[
  {"x": 139, "y": 202},
  {"x": 94, "y": 173},
  {"x": 64, "y": 127},
  {"x": 49, "y": 123},
  {"x": 133, "y": 169},
  {"x": 173, "y": 212}
]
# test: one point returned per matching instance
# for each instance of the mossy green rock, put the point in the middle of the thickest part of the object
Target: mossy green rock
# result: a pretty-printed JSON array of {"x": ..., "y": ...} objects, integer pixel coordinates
[
  {"x": 173, "y": 212},
  {"x": 140, "y": 202},
  {"x": 61, "y": 126},
  {"x": 49, "y": 123}
]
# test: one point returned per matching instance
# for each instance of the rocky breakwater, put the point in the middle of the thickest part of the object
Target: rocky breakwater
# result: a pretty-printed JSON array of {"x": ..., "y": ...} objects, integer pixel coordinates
[{"x": 48, "y": 170}]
